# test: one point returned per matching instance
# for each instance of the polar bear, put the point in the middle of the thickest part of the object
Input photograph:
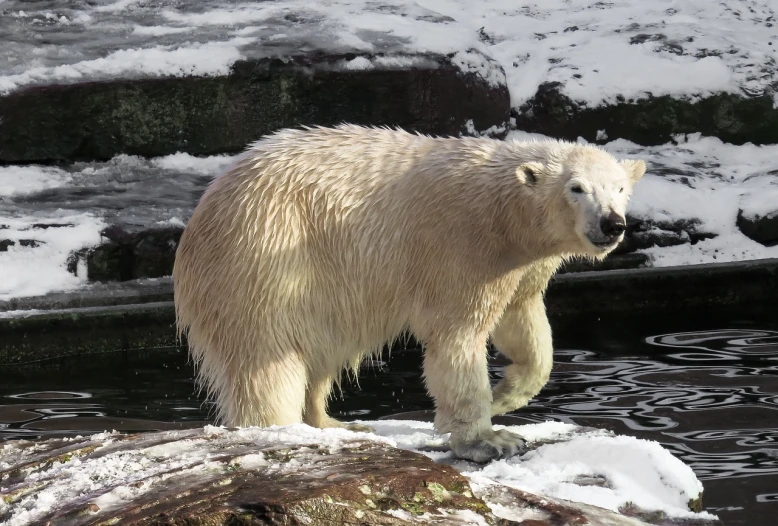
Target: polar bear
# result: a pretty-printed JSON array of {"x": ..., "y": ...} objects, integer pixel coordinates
[{"x": 320, "y": 245}]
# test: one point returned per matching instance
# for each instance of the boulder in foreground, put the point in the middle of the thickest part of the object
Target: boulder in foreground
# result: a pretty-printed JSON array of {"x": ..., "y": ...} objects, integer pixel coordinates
[{"x": 300, "y": 475}]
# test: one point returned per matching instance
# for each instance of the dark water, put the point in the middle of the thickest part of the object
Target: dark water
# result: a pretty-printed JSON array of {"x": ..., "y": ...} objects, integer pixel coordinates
[{"x": 707, "y": 389}]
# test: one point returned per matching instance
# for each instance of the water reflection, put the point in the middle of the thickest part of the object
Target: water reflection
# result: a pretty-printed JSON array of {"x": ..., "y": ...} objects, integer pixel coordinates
[
  {"x": 132, "y": 392},
  {"x": 720, "y": 419}
]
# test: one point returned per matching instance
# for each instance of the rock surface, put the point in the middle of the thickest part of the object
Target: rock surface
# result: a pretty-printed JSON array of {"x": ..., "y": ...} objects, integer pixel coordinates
[
  {"x": 208, "y": 115},
  {"x": 645, "y": 233},
  {"x": 358, "y": 483},
  {"x": 650, "y": 121},
  {"x": 612, "y": 262},
  {"x": 211, "y": 476},
  {"x": 126, "y": 256},
  {"x": 761, "y": 228}
]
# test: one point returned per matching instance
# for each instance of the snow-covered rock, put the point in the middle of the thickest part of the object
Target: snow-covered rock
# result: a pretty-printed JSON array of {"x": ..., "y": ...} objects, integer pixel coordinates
[
  {"x": 598, "y": 51},
  {"x": 402, "y": 475}
]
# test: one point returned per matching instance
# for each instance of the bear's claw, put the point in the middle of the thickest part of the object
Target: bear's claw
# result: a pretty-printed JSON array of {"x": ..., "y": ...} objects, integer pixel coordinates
[{"x": 489, "y": 446}]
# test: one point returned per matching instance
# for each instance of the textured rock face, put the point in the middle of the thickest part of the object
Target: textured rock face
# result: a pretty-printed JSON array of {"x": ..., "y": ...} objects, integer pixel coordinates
[
  {"x": 654, "y": 120},
  {"x": 125, "y": 256},
  {"x": 275, "y": 476},
  {"x": 236, "y": 482},
  {"x": 761, "y": 228},
  {"x": 207, "y": 115}
]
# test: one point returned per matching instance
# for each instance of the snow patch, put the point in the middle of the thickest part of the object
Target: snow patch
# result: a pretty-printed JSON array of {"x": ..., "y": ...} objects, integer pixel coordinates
[
  {"x": 185, "y": 162},
  {"x": 358, "y": 64},
  {"x": 760, "y": 203},
  {"x": 209, "y": 59},
  {"x": 33, "y": 271},
  {"x": 158, "y": 31},
  {"x": 22, "y": 180},
  {"x": 87, "y": 197},
  {"x": 472, "y": 62}
]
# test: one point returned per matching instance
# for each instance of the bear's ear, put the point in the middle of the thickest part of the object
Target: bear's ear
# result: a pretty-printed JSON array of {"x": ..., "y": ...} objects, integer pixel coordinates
[
  {"x": 635, "y": 168},
  {"x": 528, "y": 173}
]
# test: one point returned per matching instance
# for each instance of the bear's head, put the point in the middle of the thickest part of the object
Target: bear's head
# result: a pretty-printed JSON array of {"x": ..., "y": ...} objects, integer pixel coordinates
[{"x": 584, "y": 192}]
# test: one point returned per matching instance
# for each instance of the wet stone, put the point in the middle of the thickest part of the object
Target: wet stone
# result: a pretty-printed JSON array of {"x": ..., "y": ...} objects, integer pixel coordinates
[
  {"x": 216, "y": 476},
  {"x": 46, "y": 226},
  {"x": 654, "y": 120},
  {"x": 5, "y": 244},
  {"x": 208, "y": 115},
  {"x": 644, "y": 233},
  {"x": 548, "y": 511},
  {"x": 30, "y": 243},
  {"x": 124, "y": 255},
  {"x": 358, "y": 482},
  {"x": 762, "y": 229},
  {"x": 640, "y": 235},
  {"x": 612, "y": 262}
]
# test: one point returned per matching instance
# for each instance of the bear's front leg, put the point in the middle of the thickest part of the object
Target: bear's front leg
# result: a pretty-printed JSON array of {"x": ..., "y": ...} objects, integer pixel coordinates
[
  {"x": 524, "y": 335},
  {"x": 458, "y": 380}
]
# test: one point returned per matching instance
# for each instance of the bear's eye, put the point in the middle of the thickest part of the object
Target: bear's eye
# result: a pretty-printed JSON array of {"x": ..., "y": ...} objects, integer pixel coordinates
[
  {"x": 621, "y": 189},
  {"x": 577, "y": 189}
]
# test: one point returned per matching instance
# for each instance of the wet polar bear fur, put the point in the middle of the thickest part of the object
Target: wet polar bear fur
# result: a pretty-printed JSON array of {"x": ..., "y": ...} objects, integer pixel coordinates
[{"x": 320, "y": 245}]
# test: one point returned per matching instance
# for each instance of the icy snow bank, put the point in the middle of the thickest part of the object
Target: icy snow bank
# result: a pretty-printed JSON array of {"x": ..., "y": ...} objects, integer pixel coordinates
[
  {"x": 139, "y": 39},
  {"x": 41, "y": 268},
  {"x": 85, "y": 198},
  {"x": 597, "y": 50}
]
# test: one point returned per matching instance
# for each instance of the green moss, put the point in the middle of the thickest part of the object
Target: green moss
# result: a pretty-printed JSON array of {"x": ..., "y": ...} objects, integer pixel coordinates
[
  {"x": 695, "y": 505},
  {"x": 207, "y": 115},
  {"x": 439, "y": 493},
  {"x": 280, "y": 455},
  {"x": 413, "y": 507}
]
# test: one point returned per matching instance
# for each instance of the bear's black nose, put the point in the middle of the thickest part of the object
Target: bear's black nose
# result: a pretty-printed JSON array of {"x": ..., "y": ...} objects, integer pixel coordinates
[{"x": 613, "y": 225}]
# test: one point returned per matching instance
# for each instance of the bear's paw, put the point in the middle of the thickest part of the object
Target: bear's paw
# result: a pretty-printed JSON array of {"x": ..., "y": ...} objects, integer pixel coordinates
[{"x": 489, "y": 445}]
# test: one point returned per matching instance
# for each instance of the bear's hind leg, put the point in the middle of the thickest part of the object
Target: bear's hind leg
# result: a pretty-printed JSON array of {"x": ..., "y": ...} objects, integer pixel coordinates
[
  {"x": 315, "y": 413},
  {"x": 260, "y": 391},
  {"x": 524, "y": 335}
]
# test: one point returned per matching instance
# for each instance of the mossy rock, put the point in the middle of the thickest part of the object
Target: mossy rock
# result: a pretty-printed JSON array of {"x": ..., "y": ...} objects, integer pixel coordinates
[
  {"x": 357, "y": 482},
  {"x": 209, "y": 115},
  {"x": 652, "y": 120}
]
